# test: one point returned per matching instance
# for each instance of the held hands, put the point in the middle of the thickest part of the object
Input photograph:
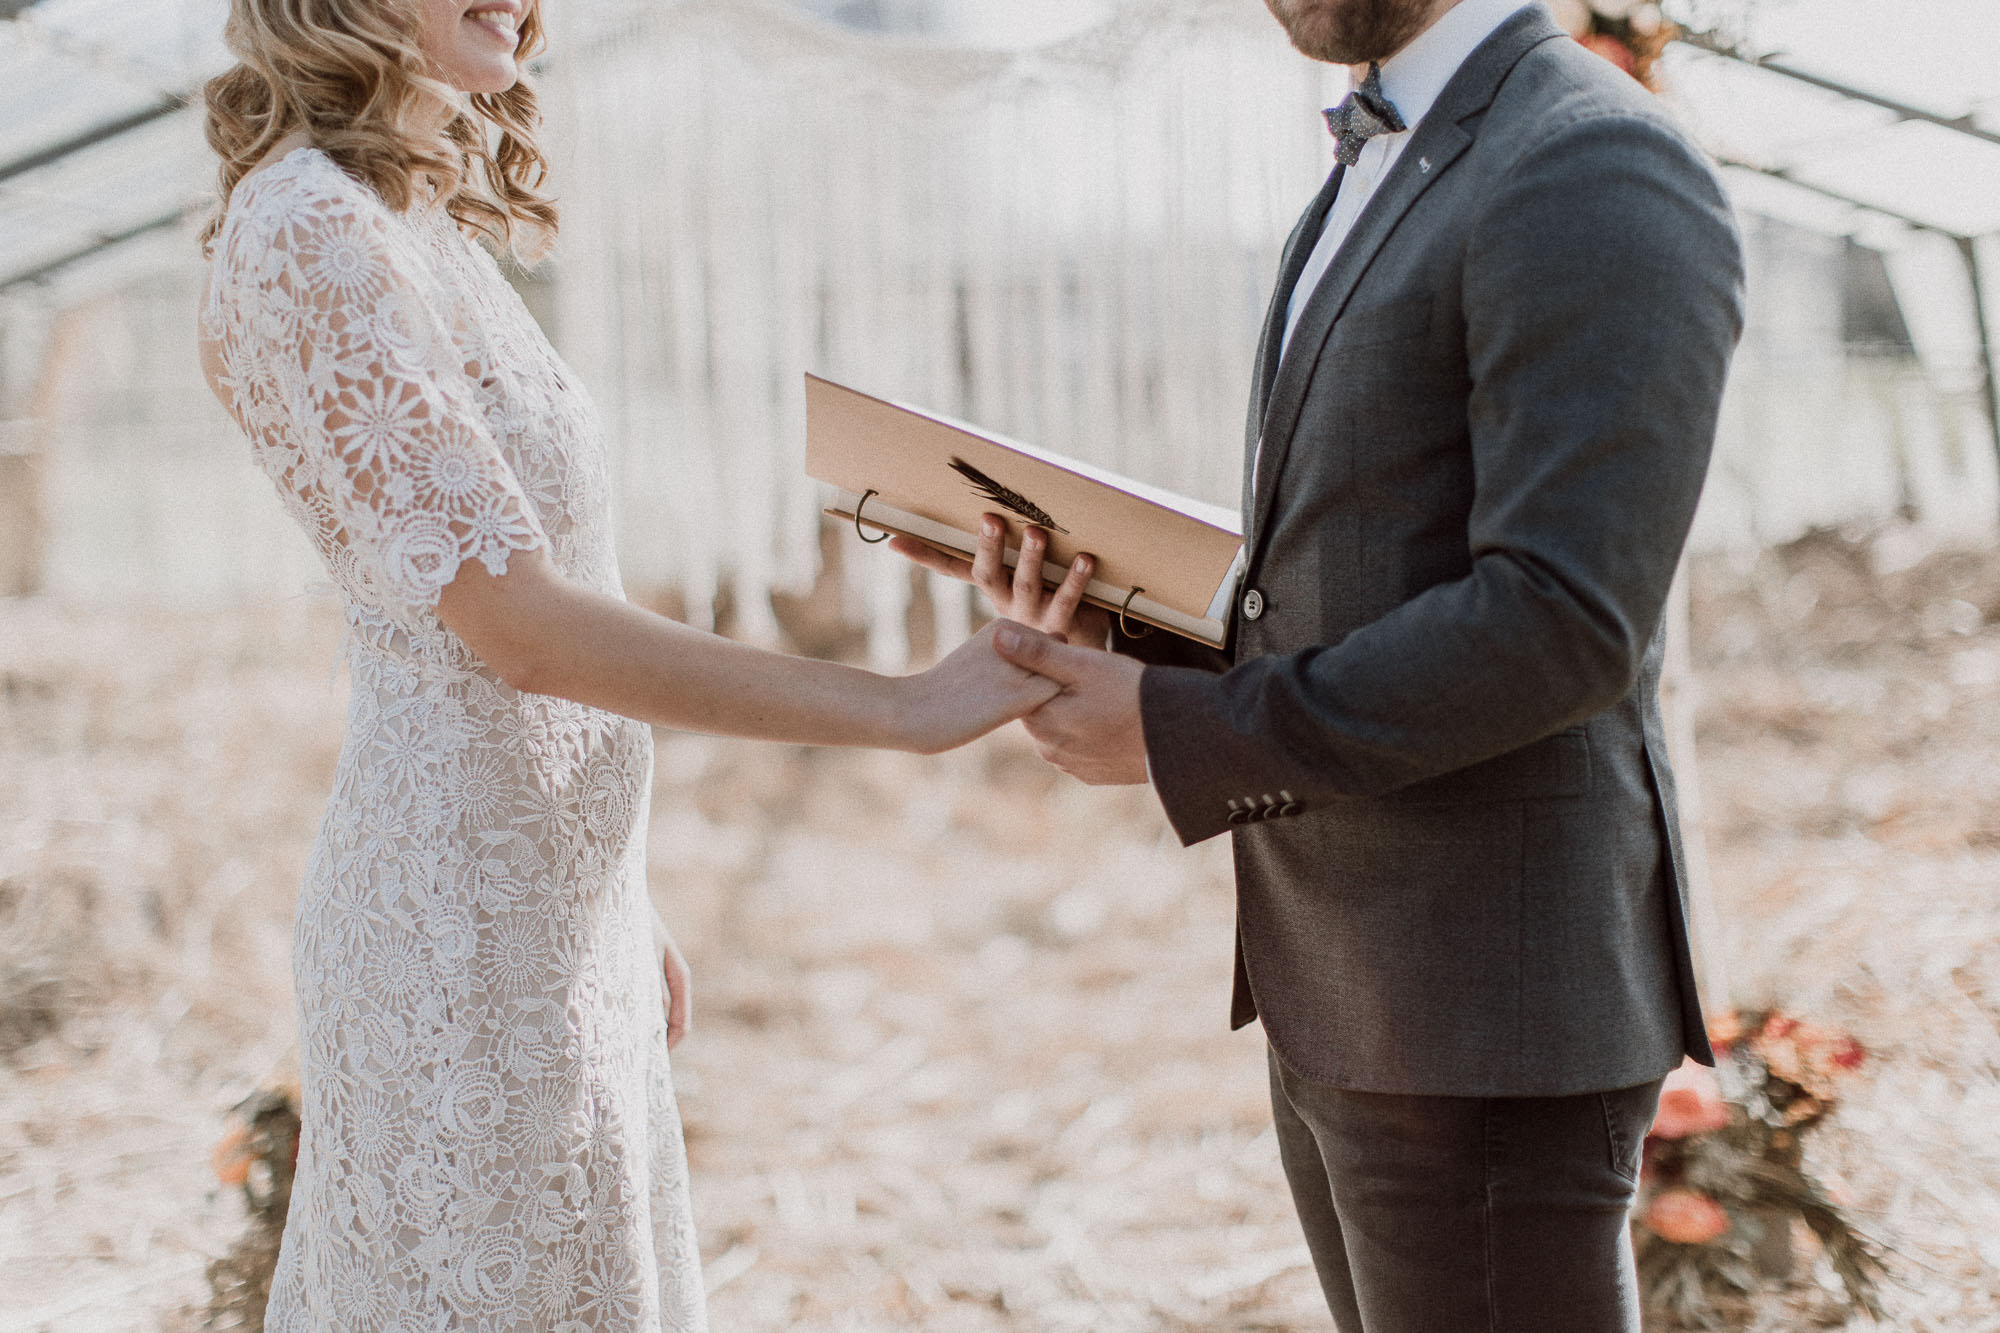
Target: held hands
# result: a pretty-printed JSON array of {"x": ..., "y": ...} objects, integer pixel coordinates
[
  {"x": 1092, "y": 730},
  {"x": 968, "y": 694},
  {"x": 1088, "y": 724},
  {"x": 1019, "y": 595}
]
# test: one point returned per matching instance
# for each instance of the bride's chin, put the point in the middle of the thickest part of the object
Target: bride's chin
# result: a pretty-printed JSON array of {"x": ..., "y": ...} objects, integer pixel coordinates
[{"x": 486, "y": 76}]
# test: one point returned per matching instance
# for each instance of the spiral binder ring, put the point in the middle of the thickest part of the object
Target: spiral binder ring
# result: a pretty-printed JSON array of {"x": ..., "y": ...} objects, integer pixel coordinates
[
  {"x": 1126, "y": 627},
  {"x": 861, "y": 504}
]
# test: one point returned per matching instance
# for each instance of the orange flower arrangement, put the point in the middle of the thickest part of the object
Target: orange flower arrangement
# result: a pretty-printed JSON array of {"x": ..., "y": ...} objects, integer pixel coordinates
[
  {"x": 1686, "y": 1217},
  {"x": 1619, "y": 54},
  {"x": 1812, "y": 1057},
  {"x": 233, "y": 1156},
  {"x": 258, "y": 1155},
  {"x": 1690, "y": 1103},
  {"x": 263, "y": 1133},
  {"x": 1724, "y": 1169},
  {"x": 1630, "y": 35}
]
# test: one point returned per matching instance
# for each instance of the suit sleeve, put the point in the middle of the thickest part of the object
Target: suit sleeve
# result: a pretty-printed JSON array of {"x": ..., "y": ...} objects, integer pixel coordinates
[{"x": 1602, "y": 299}]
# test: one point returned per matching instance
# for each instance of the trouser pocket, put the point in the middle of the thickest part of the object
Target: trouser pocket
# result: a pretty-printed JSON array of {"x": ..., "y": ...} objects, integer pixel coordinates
[{"x": 1628, "y": 1114}]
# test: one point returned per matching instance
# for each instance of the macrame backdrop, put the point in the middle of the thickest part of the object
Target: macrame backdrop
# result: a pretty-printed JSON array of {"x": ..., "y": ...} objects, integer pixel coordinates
[{"x": 1072, "y": 246}]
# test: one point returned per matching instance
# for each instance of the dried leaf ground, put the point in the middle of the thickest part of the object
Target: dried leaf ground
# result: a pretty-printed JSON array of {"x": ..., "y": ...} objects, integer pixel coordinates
[{"x": 960, "y": 1059}]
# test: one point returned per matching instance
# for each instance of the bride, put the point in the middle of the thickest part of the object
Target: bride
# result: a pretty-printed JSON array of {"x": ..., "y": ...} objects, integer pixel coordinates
[{"x": 490, "y": 1135}]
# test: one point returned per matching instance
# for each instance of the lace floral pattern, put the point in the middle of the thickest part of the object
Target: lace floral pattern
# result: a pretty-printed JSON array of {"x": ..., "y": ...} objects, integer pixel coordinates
[{"x": 491, "y": 1140}]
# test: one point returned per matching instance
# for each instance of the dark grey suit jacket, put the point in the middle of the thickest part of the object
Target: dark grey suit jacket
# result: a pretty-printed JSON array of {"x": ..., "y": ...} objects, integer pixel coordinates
[{"x": 1438, "y": 741}]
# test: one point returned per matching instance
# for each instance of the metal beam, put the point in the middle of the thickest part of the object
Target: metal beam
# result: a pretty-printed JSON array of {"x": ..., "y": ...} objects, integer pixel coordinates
[
  {"x": 1880, "y": 210},
  {"x": 1968, "y": 252},
  {"x": 1715, "y": 46},
  {"x": 106, "y": 241},
  {"x": 110, "y": 129}
]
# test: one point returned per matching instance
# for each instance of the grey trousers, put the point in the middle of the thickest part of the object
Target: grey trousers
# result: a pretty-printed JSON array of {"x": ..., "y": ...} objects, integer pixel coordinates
[{"x": 1466, "y": 1214}]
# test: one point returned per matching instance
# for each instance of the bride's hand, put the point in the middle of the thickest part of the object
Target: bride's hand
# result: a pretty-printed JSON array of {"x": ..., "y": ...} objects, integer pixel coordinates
[
  {"x": 968, "y": 694},
  {"x": 677, "y": 982},
  {"x": 1018, "y": 595}
]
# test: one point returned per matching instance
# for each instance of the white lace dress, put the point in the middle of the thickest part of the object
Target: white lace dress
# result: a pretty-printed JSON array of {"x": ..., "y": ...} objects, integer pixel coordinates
[{"x": 491, "y": 1141}]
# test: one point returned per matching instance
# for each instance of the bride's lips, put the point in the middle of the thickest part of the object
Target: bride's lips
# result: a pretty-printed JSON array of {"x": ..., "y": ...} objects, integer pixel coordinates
[{"x": 501, "y": 19}]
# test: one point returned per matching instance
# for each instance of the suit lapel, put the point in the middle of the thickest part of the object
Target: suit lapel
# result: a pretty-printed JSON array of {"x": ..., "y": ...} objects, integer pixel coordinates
[
  {"x": 1437, "y": 142},
  {"x": 1298, "y": 251}
]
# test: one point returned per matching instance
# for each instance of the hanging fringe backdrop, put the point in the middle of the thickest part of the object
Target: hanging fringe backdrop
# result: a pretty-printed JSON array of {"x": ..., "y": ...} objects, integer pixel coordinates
[{"x": 1072, "y": 246}]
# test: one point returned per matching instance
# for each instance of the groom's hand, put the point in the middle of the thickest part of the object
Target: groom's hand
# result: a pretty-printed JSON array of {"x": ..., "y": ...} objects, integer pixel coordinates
[
  {"x": 1092, "y": 730},
  {"x": 1019, "y": 595}
]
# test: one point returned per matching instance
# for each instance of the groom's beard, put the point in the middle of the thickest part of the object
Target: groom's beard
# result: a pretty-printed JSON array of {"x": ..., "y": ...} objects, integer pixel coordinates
[{"x": 1352, "y": 32}]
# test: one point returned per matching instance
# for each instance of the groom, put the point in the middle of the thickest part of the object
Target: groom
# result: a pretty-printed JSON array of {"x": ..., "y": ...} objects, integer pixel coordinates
[{"x": 1484, "y": 406}]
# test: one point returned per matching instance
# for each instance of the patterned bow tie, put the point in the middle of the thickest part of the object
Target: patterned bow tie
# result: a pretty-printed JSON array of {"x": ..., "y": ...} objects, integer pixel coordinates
[{"x": 1365, "y": 114}]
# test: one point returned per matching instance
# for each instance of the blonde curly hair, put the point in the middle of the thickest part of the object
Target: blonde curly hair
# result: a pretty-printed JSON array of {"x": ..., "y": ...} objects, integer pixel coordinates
[{"x": 350, "y": 73}]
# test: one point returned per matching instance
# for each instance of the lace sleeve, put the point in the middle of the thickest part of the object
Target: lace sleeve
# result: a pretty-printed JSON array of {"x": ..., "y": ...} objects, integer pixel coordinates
[{"x": 360, "y": 405}]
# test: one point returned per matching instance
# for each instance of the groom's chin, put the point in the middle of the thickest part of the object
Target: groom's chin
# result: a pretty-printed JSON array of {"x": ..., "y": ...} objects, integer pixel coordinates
[
  {"x": 1349, "y": 32},
  {"x": 1313, "y": 30}
]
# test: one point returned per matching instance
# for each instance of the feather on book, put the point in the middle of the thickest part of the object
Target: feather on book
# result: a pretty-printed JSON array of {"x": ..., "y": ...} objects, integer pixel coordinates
[{"x": 1163, "y": 559}]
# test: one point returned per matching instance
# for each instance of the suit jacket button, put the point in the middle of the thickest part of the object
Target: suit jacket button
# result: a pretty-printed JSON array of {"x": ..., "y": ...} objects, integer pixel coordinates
[
  {"x": 1253, "y": 604},
  {"x": 1291, "y": 808},
  {"x": 1240, "y": 817}
]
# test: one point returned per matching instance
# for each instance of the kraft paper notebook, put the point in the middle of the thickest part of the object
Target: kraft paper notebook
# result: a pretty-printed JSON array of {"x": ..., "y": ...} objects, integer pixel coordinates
[{"x": 1162, "y": 559}]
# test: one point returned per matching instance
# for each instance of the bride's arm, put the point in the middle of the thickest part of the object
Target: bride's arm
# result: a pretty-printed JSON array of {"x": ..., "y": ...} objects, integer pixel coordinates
[
  {"x": 391, "y": 468},
  {"x": 545, "y": 635}
]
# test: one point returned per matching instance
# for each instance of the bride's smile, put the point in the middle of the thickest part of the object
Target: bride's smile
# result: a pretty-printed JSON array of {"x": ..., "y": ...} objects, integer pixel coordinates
[
  {"x": 475, "y": 47},
  {"x": 502, "y": 20}
]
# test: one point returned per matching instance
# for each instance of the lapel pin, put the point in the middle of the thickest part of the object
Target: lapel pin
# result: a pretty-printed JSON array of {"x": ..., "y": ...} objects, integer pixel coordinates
[{"x": 1423, "y": 164}]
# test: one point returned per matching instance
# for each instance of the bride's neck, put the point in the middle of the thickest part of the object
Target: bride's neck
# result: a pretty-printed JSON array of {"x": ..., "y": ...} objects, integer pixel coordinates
[
  {"x": 428, "y": 115},
  {"x": 291, "y": 143}
]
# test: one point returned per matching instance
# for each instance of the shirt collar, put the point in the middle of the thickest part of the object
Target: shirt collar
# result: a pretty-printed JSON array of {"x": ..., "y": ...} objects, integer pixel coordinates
[{"x": 1415, "y": 75}]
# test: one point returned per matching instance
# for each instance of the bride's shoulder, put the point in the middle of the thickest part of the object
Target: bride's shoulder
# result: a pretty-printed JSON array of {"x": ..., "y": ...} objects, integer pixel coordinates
[
  {"x": 302, "y": 193},
  {"x": 302, "y": 225}
]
